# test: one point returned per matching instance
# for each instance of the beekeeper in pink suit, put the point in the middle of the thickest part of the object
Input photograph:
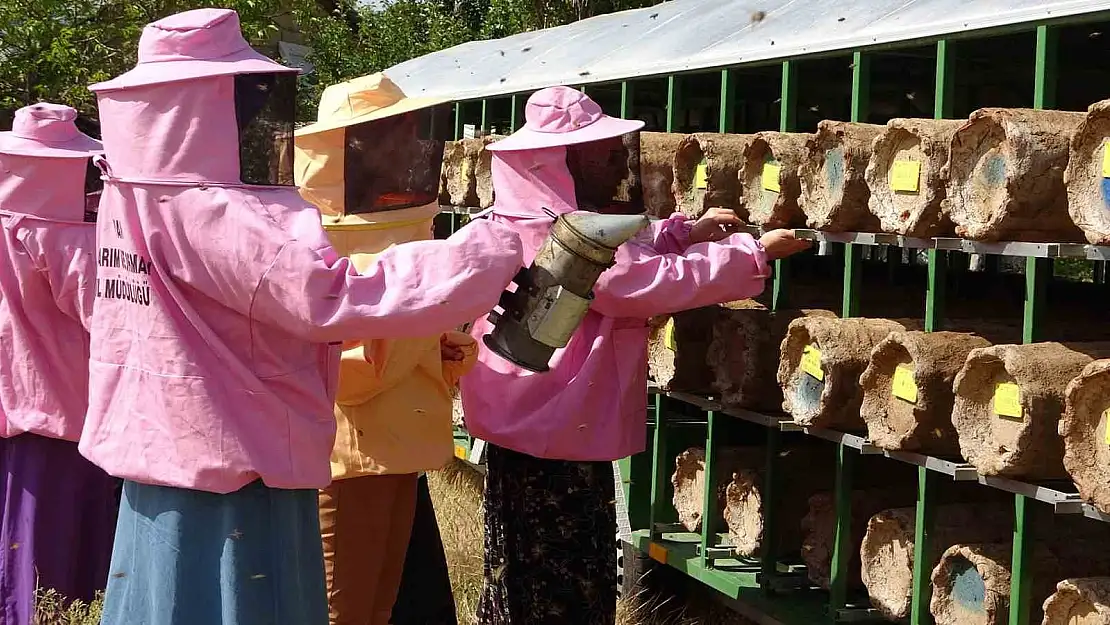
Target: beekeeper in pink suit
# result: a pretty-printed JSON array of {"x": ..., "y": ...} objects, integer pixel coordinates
[
  {"x": 219, "y": 310},
  {"x": 58, "y": 510},
  {"x": 549, "y": 512}
]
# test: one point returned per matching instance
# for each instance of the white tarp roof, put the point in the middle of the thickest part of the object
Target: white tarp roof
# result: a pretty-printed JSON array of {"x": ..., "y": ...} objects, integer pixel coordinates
[{"x": 684, "y": 35}]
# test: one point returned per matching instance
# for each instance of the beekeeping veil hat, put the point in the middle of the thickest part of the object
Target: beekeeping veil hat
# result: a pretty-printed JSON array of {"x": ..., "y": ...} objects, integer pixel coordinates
[
  {"x": 569, "y": 155},
  {"x": 46, "y": 164},
  {"x": 370, "y": 150},
  {"x": 197, "y": 86}
]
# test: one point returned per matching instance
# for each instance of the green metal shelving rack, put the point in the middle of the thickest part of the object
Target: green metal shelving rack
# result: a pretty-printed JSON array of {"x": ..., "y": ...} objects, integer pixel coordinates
[{"x": 766, "y": 590}]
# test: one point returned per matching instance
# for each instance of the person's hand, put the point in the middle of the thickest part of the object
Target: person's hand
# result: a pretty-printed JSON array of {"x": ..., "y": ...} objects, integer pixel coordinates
[
  {"x": 714, "y": 225},
  {"x": 451, "y": 344},
  {"x": 782, "y": 243}
]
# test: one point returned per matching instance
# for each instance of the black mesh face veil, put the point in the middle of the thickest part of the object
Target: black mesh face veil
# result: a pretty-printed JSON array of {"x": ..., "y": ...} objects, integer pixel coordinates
[
  {"x": 607, "y": 174},
  {"x": 391, "y": 163},
  {"x": 93, "y": 186},
  {"x": 265, "y": 109}
]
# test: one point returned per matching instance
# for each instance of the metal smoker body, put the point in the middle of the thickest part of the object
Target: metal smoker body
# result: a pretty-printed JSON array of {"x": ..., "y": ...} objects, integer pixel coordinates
[{"x": 554, "y": 293}]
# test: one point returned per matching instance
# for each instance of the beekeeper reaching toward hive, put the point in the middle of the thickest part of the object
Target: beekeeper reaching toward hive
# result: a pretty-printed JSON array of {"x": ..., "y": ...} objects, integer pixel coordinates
[
  {"x": 57, "y": 510},
  {"x": 371, "y": 166},
  {"x": 219, "y": 308},
  {"x": 549, "y": 513}
]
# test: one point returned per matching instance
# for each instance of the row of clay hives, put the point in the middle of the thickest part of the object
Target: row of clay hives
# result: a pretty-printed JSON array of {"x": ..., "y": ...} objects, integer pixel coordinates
[
  {"x": 971, "y": 540},
  {"x": 1001, "y": 174},
  {"x": 1026, "y": 412}
]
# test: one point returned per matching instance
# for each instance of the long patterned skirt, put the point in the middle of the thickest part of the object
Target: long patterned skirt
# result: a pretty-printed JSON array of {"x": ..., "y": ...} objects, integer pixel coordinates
[
  {"x": 550, "y": 537},
  {"x": 57, "y": 517},
  {"x": 186, "y": 557}
]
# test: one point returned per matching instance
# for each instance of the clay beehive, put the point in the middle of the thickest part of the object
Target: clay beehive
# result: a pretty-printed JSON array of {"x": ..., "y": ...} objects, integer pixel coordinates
[
  {"x": 657, "y": 158},
  {"x": 678, "y": 349},
  {"x": 1005, "y": 176},
  {"x": 466, "y": 166},
  {"x": 743, "y": 355},
  {"x": 971, "y": 582},
  {"x": 819, "y": 527},
  {"x": 1083, "y": 429},
  {"x": 688, "y": 480},
  {"x": 887, "y": 549},
  {"x": 905, "y": 176},
  {"x": 1009, "y": 399},
  {"x": 769, "y": 179},
  {"x": 1079, "y": 601},
  {"x": 744, "y": 509},
  {"x": 907, "y": 390},
  {"x": 834, "y": 191},
  {"x": 1088, "y": 185},
  {"x": 820, "y": 366},
  {"x": 707, "y": 172}
]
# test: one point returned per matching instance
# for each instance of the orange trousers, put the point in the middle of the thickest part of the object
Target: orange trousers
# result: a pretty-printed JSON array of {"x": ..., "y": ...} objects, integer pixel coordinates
[{"x": 365, "y": 524}]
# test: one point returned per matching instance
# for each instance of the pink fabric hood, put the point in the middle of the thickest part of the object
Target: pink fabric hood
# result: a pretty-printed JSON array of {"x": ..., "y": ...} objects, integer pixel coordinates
[
  {"x": 46, "y": 280},
  {"x": 591, "y": 404},
  {"x": 220, "y": 306}
]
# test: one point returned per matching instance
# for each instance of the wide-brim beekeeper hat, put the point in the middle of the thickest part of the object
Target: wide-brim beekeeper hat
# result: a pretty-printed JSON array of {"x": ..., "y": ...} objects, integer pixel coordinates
[
  {"x": 49, "y": 131},
  {"x": 561, "y": 116},
  {"x": 193, "y": 44},
  {"x": 360, "y": 100}
]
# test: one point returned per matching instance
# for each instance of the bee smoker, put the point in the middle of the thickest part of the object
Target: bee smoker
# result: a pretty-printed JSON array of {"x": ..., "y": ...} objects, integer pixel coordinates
[{"x": 554, "y": 293}]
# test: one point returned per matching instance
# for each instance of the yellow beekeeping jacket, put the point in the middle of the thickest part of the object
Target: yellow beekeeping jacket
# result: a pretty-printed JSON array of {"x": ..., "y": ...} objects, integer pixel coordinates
[{"x": 393, "y": 407}]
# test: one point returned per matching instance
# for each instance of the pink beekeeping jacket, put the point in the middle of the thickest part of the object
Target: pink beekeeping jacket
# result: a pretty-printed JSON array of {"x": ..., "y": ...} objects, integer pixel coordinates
[
  {"x": 46, "y": 277},
  {"x": 216, "y": 302},
  {"x": 592, "y": 404}
]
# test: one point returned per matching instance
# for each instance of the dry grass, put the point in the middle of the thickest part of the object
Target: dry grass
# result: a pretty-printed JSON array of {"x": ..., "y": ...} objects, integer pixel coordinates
[
  {"x": 457, "y": 493},
  {"x": 52, "y": 609}
]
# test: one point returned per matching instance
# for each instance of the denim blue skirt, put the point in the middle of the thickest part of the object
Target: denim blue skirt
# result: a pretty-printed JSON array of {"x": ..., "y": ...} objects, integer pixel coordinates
[{"x": 185, "y": 557}]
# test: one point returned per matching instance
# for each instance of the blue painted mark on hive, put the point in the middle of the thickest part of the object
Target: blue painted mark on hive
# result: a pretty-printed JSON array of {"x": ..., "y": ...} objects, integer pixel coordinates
[
  {"x": 807, "y": 393},
  {"x": 834, "y": 167},
  {"x": 1106, "y": 192},
  {"x": 968, "y": 588},
  {"x": 995, "y": 170}
]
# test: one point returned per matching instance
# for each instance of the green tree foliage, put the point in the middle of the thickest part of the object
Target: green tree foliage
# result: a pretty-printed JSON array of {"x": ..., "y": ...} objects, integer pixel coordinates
[{"x": 53, "y": 49}]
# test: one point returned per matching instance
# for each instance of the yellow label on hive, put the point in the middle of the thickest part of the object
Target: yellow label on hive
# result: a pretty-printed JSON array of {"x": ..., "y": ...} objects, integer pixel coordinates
[
  {"x": 460, "y": 452},
  {"x": 657, "y": 552},
  {"x": 1106, "y": 424},
  {"x": 668, "y": 335},
  {"x": 903, "y": 386},
  {"x": 1106, "y": 159},
  {"x": 905, "y": 176},
  {"x": 701, "y": 176},
  {"x": 771, "y": 176},
  {"x": 811, "y": 362},
  {"x": 1007, "y": 400}
]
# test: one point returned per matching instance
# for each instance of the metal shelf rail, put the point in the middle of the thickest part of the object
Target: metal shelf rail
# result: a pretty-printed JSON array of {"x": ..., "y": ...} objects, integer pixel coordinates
[{"x": 754, "y": 587}]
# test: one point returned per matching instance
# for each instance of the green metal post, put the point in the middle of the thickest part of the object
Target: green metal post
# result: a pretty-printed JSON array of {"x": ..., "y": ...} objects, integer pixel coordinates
[
  {"x": 727, "y": 121},
  {"x": 788, "y": 122},
  {"x": 937, "y": 291},
  {"x": 660, "y": 468},
  {"x": 709, "y": 495},
  {"x": 769, "y": 563},
  {"x": 628, "y": 94},
  {"x": 458, "y": 120},
  {"x": 943, "y": 102},
  {"x": 1044, "y": 85},
  {"x": 861, "y": 86},
  {"x": 842, "y": 544},
  {"x": 1038, "y": 272},
  {"x": 922, "y": 561},
  {"x": 485, "y": 120},
  {"x": 639, "y": 475},
  {"x": 853, "y": 280},
  {"x": 674, "y": 101}
]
